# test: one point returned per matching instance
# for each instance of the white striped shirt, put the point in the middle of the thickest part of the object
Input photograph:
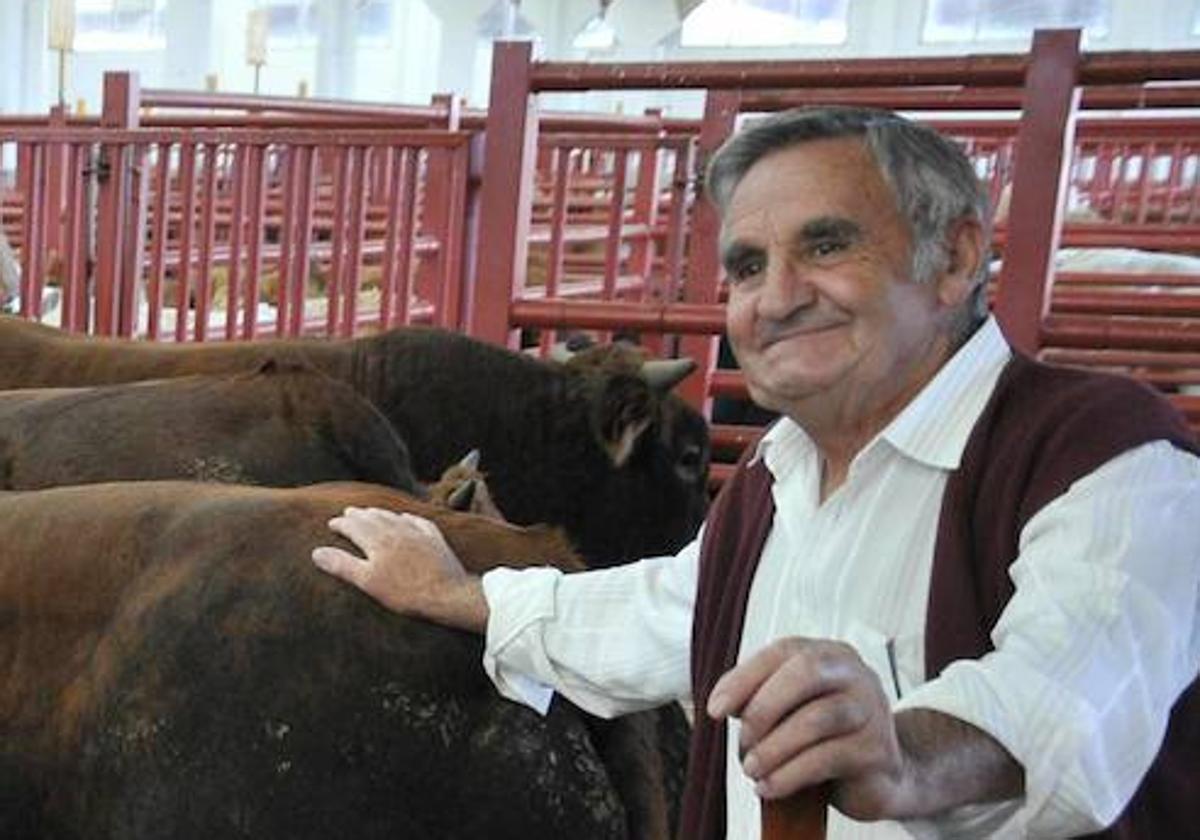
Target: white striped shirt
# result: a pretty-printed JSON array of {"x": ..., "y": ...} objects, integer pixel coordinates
[{"x": 1100, "y": 637}]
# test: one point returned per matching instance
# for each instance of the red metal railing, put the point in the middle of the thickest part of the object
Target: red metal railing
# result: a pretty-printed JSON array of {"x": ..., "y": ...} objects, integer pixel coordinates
[
  {"x": 192, "y": 200},
  {"x": 601, "y": 205}
]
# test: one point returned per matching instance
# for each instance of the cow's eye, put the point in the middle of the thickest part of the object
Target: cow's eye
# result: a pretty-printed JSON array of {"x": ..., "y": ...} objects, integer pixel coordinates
[{"x": 690, "y": 463}]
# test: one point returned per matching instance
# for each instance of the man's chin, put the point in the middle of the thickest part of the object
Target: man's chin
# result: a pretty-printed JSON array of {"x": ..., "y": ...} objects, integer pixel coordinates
[{"x": 785, "y": 394}]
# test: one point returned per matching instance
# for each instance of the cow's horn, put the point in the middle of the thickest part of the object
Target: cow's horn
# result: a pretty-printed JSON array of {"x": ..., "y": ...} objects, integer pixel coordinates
[
  {"x": 470, "y": 461},
  {"x": 664, "y": 374},
  {"x": 462, "y": 496}
]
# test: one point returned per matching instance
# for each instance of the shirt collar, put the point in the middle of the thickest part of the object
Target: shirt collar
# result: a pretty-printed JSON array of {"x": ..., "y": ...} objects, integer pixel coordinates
[{"x": 933, "y": 428}]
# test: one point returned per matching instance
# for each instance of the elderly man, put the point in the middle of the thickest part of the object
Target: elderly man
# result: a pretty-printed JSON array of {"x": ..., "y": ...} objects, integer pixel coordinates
[{"x": 956, "y": 586}]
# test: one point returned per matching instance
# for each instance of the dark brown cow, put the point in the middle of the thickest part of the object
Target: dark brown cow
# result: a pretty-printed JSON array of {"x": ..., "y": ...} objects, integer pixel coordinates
[
  {"x": 281, "y": 426},
  {"x": 595, "y": 447},
  {"x": 172, "y": 665}
]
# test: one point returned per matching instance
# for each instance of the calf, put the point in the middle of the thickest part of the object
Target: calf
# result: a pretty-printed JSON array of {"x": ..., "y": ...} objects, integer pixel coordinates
[{"x": 173, "y": 666}]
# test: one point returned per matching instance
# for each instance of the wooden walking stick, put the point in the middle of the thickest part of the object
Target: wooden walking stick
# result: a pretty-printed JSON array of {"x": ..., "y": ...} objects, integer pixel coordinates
[{"x": 800, "y": 816}]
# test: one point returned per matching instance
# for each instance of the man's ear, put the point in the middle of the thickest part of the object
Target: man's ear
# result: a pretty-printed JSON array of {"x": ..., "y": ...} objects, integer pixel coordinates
[{"x": 965, "y": 253}]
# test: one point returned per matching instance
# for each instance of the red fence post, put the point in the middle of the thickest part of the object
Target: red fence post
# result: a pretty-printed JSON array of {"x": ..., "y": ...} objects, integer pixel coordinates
[
  {"x": 435, "y": 220},
  {"x": 55, "y": 193},
  {"x": 120, "y": 110},
  {"x": 1044, "y": 142},
  {"x": 702, "y": 283},
  {"x": 507, "y": 192}
]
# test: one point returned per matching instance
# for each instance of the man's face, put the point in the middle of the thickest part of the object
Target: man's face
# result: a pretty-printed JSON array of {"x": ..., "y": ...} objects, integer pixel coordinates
[{"x": 821, "y": 298}]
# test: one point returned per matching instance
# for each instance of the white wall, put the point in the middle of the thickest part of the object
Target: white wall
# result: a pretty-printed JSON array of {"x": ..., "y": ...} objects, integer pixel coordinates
[{"x": 433, "y": 45}]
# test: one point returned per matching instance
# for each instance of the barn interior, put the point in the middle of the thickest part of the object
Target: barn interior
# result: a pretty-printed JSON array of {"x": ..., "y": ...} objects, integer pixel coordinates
[{"x": 530, "y": 173}]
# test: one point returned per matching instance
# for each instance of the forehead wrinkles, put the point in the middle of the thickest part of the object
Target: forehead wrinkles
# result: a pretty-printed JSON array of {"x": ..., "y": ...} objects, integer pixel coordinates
[{"x": 835, "y": 178}]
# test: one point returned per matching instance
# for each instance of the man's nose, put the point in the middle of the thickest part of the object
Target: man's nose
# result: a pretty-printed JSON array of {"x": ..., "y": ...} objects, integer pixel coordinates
[{"x": 785, "y": 289}]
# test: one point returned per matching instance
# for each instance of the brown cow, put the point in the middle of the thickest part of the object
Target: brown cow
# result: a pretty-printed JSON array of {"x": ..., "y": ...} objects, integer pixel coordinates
[
  {"x": 598, "y": 446},
  {"x": 174, "y": 666},
  {"x": 282, "y": 426}
]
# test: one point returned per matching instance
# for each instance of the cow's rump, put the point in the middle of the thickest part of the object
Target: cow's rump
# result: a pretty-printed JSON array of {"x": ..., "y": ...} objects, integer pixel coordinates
[{"x": 174, "y": 666}]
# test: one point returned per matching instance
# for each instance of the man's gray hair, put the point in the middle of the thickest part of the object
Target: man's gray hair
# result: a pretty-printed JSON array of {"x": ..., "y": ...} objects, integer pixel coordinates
[{"x": 933, "y": 182}]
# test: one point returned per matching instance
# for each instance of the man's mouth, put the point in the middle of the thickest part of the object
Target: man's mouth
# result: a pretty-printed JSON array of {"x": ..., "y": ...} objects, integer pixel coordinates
[{"x": 783, "y": 333}]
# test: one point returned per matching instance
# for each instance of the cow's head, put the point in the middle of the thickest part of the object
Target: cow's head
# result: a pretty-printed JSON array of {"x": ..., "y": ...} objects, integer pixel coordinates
[{"x": 657, "y": 447}]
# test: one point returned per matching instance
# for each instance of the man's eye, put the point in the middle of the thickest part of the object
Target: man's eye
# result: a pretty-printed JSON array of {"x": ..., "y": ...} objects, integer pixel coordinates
[
  {"x": 828, "y": 247},
  {"x": 746, "y": 269}
]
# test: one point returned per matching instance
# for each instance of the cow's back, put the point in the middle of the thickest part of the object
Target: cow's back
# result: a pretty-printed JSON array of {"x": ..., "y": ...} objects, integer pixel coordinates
[
  {"x": 176, "y": 667},
  {"x": 36, "y": 356},
  {"x": 282, "y": 425}
]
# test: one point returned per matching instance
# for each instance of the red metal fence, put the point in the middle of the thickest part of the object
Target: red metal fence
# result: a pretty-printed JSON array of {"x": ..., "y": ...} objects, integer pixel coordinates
[
  {"x": 219, "y": 210},
  {"x": 164, "y": 216}
]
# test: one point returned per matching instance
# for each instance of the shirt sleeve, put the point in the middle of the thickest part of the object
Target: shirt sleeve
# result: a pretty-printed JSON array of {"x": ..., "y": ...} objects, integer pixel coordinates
[
  {"x": 1098, "y": 641},
  {"x": 611, "y": 640}
]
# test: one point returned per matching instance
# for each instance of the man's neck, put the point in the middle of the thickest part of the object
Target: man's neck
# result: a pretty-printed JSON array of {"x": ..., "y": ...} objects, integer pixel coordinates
[{"x": 841, "y": 428}]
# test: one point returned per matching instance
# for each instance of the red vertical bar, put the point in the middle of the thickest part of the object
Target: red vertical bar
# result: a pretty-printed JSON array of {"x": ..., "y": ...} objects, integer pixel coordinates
[
  {"x": 407, "y": 236},
  {"x": 287, "y": 235},
  {"x": 449, "y": 307},
  {"x": 32, "y": 155},
  {"x": 133, "y": 242},
  {"x": 685, "y": 163},
  {"x": 187, "y": 232},
  {"x": 55, "y": 195},
  {"x": 704, "y": 271},
  {"x": 616, "y": 224},
  {"x": 307, "y": 170},
  {"x": 361, "y": 158},
  {"x": 258, "y": 189},
  {"x": 237, "y": 234},
  {"x": 208, "y": 212},
  {"x": 434, "y": 210},
  {"x": 507, "y": 192},
  {"x": 645, "y": 211},
  {"x": 1194, "y": 189},
  {"x": 666, "y": 286},
  {"x": 1044, "y": 140},
  {"x": 558, "y": 225},
  {"x": 395, "y": 201},
  {"x": 1146, "y": 182},
  {"x": 1102, "y": 178},
  {"x": 341, "y": 196},
  {"x": 1174, "y": 180},
  {"x": 161, "y": 214},
  {"x": 1121, "y": 188},
  {"x": 25, "y": 188},
  {"x": 73, "y": 240},
  {"x": 120, "y": 107}
]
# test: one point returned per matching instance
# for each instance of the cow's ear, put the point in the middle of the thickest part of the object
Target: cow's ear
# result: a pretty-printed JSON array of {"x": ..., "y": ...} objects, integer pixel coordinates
[{"x": 624, "y": 411}]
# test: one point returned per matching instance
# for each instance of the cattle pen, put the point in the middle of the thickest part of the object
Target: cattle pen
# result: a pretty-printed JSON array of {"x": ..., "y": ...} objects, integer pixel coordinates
[{"x": 178, "y": 217}]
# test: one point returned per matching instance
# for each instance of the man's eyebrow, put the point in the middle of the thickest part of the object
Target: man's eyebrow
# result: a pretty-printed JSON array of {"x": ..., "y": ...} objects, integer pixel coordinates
[{"x": 829, "y": 227}]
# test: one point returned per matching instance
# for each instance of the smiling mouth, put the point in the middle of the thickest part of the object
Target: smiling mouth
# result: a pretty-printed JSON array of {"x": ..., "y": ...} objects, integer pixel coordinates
[{"x": 800, "y": 331}]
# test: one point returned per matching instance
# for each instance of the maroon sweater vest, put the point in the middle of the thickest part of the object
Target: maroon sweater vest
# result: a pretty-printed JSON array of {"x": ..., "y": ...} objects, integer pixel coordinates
[{"x": 1043, "y": 428}]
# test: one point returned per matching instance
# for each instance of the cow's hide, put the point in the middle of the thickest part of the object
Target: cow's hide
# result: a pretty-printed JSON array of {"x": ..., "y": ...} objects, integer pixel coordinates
[
  {"x": 174, "y": 666},
  {"x": 281, "y": 426},
  {"x": 590, "y": 446}
]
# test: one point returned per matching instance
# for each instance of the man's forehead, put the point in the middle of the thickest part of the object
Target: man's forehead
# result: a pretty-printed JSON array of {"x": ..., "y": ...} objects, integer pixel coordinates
[
  {"x": 836, "y": 177},
  {"x": 833, "y": 156}
]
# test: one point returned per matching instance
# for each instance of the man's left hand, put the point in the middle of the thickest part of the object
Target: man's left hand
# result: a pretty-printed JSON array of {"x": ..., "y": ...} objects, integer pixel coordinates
[{"x": 812, "y": 711}]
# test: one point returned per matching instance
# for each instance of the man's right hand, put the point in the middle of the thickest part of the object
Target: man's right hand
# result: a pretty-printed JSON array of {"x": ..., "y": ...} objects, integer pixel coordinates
[{"x": 408, "y": 567}]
